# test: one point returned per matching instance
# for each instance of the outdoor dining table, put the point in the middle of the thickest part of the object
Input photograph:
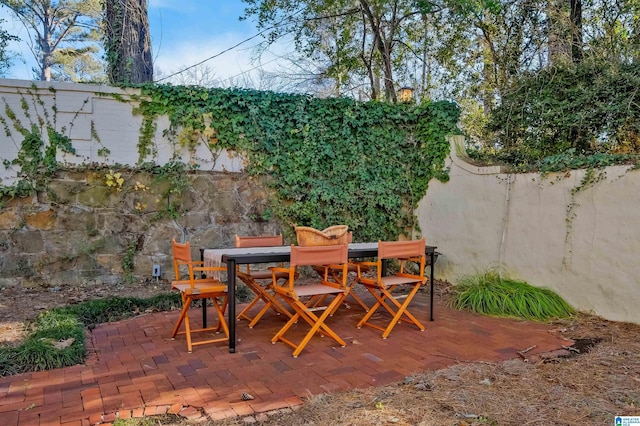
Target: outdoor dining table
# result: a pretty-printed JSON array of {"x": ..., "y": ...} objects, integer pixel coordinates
[{"x": 254, "y": 255}]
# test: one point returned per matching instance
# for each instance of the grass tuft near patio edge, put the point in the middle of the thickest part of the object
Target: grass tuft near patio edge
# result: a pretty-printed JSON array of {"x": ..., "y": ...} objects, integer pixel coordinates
[{"x": 491, "y": 294}]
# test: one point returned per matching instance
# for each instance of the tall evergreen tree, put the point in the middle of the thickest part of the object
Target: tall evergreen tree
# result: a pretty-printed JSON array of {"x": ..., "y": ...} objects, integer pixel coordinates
[{"x": 62, "y": 32}]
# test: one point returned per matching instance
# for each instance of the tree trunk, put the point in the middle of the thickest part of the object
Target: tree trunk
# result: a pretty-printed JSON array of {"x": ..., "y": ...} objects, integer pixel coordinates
[
  {"x": 46, "y": 53},
  {"x": 565, "y": 31},
  {"x": 559, "y": 50},
  {"x": 383, "y": 46},
  {"x": 576, "y": 31},
  {"x": 128, "y": 44}
]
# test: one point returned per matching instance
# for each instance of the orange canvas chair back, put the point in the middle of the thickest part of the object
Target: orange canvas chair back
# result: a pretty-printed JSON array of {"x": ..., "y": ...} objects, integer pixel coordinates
[
  {"x": 404, "y": 251},
  {"x": 181, "y": 252},
  {"x": 261, "y": 241},
  {"x": 319, "y": 255},
  {"x": 181, "y": 256},
  {"x": 401, "y": 249}
]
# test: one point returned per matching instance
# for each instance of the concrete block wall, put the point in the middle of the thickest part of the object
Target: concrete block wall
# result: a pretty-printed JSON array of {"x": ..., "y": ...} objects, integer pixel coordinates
[{"x": 95, "y": 121}]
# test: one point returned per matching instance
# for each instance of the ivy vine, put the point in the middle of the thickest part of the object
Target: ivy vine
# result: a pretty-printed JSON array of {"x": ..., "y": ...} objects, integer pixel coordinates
[
  {"x": 36, "y": 160},
  {"x": 326, "y": 161}
]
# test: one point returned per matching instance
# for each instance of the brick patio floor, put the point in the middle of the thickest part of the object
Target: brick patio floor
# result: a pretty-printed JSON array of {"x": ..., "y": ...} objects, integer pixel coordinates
[{"x": 135, "y": 370}]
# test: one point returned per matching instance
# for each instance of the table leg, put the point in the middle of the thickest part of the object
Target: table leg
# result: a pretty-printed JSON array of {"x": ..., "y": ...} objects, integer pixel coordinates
[
  {"x": 203, "y": 301},
  {"x": 231, "y": 289},
  {"x": 432, "y": 258},
  {"x": 204, "y": 313}
]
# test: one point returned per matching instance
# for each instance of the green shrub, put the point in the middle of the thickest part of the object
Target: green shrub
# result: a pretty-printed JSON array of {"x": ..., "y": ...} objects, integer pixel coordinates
[
  {"x": 558, "y": 117},
  {"x": 117, "y": 308},
  {"x": 491, "y": 294}
]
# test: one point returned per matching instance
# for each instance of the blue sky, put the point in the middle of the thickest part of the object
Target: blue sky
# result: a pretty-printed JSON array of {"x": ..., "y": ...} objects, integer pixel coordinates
[{"x": 183, "y": 33}]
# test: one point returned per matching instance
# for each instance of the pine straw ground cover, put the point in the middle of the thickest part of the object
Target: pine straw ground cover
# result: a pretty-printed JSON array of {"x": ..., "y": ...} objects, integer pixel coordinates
[{"x": 586, "y": 388}]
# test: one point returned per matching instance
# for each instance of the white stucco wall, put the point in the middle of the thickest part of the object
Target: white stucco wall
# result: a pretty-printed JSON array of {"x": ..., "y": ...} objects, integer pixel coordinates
[
  {"x": 73, "y": 109},
  {"x": 584, "y": 246}
]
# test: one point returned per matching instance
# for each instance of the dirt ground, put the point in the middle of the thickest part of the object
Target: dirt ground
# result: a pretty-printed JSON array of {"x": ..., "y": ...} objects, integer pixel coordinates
[
  {"x": 598, "y": 379},
  {"x": 20, "y": 305}
]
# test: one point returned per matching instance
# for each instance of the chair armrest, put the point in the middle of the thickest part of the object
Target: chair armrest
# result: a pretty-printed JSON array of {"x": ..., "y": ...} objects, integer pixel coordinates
[
  {"x": 276, "y": 270},
  {"x": 413, "y": 276},
  {"x": 333, "y": 284},
  {"x": 192, "y": 263},
  {"x": 210, "y": 268},
  {"x": 335, "y": 267},
  {"x": 364, "y": 266}
]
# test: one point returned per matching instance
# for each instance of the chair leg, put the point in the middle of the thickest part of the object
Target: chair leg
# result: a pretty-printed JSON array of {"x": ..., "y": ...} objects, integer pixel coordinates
[
  {"x": 222, "y": 323},
  {"x": 259, "y": 315},
  {"x": 359, "y": 301},
  {"x": 277, "y": 306},
  {"x": 219, "y": 305},
  {"x": 245, "y": 311},
  {"x": 187, "y": 328},
  {"x": 373, "y": 309},
  {"x": 317, "y": 324},
  {"x": 279, "y": 335},
  {"x": 354, "y": 297},
  {"x": 264, "y": 294},
  {"x": 396, "y": 314},
  {"x": 186, "y": 302},
  {"x": 403, "y": 311}
]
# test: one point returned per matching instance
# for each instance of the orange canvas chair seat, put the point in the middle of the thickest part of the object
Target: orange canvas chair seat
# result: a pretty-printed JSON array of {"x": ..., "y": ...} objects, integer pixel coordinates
[
  {"x": 197, "y": 288},
  {"x": 308, "y": 300},
  {"x": 260, "y": 282},
  {"x": 382, "y": 288}
]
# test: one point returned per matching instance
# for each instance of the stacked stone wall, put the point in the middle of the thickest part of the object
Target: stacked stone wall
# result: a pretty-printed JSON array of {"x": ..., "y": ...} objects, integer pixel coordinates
[{"x": 80, "y": 231}]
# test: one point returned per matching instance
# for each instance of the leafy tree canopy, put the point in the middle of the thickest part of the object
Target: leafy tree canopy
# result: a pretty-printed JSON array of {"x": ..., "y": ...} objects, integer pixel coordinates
[
  {"x": 63, "y": 35},
  {"x": 6, "y": 57}
]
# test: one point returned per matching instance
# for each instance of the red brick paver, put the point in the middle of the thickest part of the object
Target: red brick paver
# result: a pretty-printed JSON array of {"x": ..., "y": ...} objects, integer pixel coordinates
[{"x": 135, "y": 369}]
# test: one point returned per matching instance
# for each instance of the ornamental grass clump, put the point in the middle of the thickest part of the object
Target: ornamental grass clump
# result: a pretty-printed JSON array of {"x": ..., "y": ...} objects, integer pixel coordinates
[{"x": 491, "y": 294}]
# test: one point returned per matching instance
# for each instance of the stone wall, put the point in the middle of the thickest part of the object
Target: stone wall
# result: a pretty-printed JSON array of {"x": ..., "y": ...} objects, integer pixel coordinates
[
  {"x": 80, "y": 231},
  {"x": 575, "y": 232}
]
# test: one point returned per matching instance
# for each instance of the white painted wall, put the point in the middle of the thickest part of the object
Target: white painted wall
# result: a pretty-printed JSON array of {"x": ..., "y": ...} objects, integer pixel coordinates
[
  {"x": 585, "y": 246},
  {"x": 73, "y": 109}
]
